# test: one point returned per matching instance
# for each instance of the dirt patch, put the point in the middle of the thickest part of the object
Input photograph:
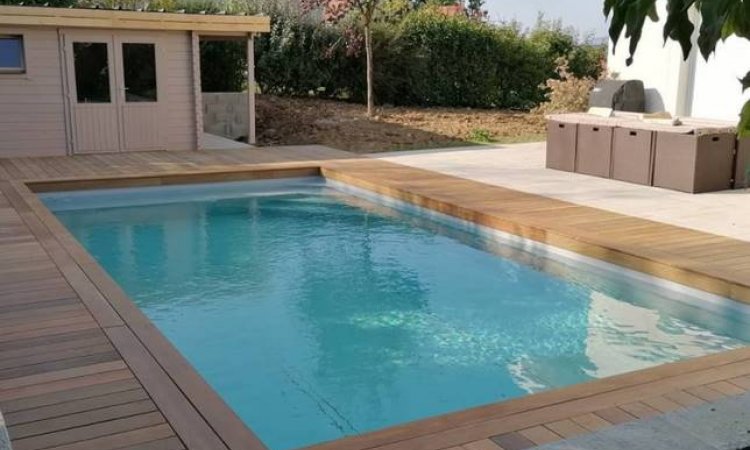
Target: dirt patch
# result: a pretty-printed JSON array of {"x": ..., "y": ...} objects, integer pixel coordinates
[{"x": 291, "y": 121}]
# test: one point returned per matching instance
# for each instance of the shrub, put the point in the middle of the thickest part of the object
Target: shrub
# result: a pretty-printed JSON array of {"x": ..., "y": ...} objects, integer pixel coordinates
[
  {"x": 480, "y": 135},
  {"x": 568, "y": 92},
  {"x": 455, "y": 61},
  {"x": 421, "y": 57}
]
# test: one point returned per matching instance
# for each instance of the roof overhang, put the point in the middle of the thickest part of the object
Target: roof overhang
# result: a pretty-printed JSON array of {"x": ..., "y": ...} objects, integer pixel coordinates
[{"x": 133, "y": 20}]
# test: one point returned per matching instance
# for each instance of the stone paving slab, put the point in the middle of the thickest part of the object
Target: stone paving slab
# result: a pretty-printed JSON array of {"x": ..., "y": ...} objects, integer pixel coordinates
[{"x": 723, "y": 425}]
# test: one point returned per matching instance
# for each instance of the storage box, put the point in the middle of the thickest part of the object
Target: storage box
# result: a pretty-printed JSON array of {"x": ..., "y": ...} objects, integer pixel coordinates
[
  {"x": 742, "y": 164},
  {"x": 594, "y": 149},
  {"x": 561, "y": 145},
  {"x": 632, "y": 155},
  {"x": 694, "y": 163}
]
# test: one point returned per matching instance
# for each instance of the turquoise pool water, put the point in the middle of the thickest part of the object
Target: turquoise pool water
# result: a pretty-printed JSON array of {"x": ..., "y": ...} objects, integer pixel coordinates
[{"x": 317, "y": 314}]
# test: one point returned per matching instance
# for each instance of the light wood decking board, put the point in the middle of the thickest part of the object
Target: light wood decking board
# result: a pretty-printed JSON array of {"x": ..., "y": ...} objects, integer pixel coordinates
[{"x": 80, "y": 345}]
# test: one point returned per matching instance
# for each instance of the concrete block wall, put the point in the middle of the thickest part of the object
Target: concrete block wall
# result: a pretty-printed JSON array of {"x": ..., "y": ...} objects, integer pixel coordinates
[{"x": 226, "y": 114}]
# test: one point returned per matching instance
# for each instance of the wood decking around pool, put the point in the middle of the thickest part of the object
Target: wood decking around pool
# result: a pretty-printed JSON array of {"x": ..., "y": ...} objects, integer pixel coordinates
[{"x": 82, "y": 368}]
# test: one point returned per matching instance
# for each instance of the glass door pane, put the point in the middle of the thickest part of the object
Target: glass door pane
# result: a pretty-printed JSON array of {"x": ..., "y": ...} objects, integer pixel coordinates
[
  {"x": 139, "y": 72},
  {"x": 92, "y": 72}
]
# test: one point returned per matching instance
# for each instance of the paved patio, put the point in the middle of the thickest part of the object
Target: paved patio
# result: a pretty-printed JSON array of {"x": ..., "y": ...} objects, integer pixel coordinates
[
  {"x": 521, "y": 167},
  {"x": 721, "y": 425}
]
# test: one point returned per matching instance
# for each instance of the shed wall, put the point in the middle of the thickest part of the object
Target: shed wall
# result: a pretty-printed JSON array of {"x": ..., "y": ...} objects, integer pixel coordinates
[{"x": 32, "y": 111}]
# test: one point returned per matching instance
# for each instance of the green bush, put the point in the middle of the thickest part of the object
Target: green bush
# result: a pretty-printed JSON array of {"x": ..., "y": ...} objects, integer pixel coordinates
[
  {"x": 454, "y": 61},
  {"x": 426, "y": 58},
  {"x": 300, "y": 59}
]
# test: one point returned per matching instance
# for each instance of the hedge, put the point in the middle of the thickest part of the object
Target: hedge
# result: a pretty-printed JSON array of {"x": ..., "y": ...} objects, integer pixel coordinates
[{"x": 426, "y": 59}]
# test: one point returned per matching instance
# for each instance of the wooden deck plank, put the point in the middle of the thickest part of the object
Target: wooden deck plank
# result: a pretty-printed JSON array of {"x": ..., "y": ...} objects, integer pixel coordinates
[
  {"x": 75, "y": 406},
  {"x": 566, "y": 428},
  {"x": 59, "y": 312},
  {"x": 615, "y": 415},
  {"x": 89, "y": 432},
  {"x": 639, "y": 410},
  {"x": 85, "y": 391},
  {"x": 484, "y": 444},
  {"x": 684, "y": 398},
  {"x": 540, "y": 435},
  {"x": 591, "y": 422},
  {"x": 513, "y": 441},
  {"x": 92, "y": 356},
  {"x": 80, "y": 419},
  {"x": 140, "y": 438}
]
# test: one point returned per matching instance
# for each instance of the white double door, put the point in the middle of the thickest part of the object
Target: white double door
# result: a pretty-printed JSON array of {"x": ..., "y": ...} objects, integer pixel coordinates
[{"x": 115, "y": 93}]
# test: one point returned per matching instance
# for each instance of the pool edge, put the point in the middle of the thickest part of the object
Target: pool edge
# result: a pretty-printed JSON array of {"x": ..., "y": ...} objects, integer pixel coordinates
[{"x": 466, "y": 420}]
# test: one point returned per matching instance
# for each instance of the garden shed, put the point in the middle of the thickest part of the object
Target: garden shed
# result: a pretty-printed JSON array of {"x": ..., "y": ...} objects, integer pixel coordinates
[{"x": 78, "y": 81}]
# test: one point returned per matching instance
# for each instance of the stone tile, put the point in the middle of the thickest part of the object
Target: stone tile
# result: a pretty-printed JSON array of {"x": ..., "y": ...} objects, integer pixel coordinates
[
  {"x": 513, "y": 441},
  {"x": 650, "y": 434},
  {"x": 615, "y": 415},
  {"x": 724, "y": 424}
]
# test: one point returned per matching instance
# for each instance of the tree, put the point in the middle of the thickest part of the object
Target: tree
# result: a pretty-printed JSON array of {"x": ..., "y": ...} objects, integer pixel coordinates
[
  {"x": 474, "y": 7},
  {"x": 719, "y": 19},
  {"x": 335, "y": 11}
]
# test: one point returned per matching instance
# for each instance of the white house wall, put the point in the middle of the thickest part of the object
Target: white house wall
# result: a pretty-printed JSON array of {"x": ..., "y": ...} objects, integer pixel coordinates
[
  {"x": 718, "y": 93},
  {"x": 659, "y": 66},
  {"x": 694, "y": 87}
]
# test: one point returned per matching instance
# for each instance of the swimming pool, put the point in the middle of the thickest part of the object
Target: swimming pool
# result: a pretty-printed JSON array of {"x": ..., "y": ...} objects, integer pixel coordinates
[{"x": 317, "y": 312}]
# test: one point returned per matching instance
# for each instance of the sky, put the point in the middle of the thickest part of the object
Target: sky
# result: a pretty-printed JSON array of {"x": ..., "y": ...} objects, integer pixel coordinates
[{"x": 584, "y": 15}]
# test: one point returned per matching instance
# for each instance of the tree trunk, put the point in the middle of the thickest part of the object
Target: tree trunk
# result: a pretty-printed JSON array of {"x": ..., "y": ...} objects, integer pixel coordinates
[{"x": 368, "y": 51}]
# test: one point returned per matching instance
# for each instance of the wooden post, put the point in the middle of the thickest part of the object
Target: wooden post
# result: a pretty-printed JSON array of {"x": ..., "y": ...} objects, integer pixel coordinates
[
  {"x": 197, "y": 92},
  {"x": 250, "y": 89}
]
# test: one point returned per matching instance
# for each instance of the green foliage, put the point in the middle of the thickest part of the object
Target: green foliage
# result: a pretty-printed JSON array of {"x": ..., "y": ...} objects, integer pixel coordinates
[
  {"x": 455, "y": 61},
  {"x": 55, "y": 3},
  {"x": 440, "y": 2},
  {"x": 719, "y": 19},
  {"x": 426, "y": 59},
  {"x": 474, "y": 6},
  {"x": 480, "y": 135},
  {"x": 421, "y": 57},
  {"x": 223, "y": 66},
  {"x": 301, "y": 59}
]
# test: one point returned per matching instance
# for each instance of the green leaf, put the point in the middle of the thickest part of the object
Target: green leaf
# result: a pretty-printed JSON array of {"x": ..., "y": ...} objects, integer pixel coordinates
[
  {"x": 630, "y": 16},
  {"x": 715, "y": 16},
  {"x": 739, "y": 20},
  {"x": 743, "y": 129},
  {"x": 745, "y": 82},
  {"x": 678, "y": 26}
]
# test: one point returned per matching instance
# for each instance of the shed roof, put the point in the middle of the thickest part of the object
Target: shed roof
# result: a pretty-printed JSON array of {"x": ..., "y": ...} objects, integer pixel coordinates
[{"x": 132, "y": 20}]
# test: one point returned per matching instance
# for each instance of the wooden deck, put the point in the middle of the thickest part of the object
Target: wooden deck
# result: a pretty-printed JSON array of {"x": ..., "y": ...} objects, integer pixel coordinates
[{"x": 82, "y": 368}]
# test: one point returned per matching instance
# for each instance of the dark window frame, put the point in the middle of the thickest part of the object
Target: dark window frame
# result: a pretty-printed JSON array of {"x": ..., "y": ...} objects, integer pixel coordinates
[{"x": 16, "y": 70}]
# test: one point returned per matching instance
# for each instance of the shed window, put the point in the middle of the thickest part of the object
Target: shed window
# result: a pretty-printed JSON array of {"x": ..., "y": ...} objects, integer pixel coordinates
[
  {"x": 11, "y": 54},
  {"x": 92, "y": 72},
  {"x": 139, "y": 70}
]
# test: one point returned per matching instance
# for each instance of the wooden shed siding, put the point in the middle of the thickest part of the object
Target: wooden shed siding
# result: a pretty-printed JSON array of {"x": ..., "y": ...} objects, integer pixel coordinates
[
  {"x": 32, "y": 114},
  {"x": 180, "y": 121},
  {"x": 32, "y": 107}
]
